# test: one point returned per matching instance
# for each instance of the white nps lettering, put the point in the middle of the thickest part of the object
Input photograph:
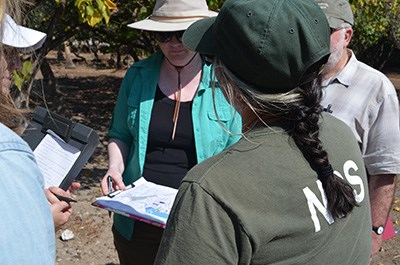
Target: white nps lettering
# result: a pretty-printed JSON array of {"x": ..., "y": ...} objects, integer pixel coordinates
[
  {"x": 315, "y": 204},
  {"x": 353, "y": 179}
]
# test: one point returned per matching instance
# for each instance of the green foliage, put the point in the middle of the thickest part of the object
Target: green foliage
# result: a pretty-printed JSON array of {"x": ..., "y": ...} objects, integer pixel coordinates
[
  {"x": 120, "y": 38},
  {"x": 22, "y": 75},
  {"x": 376, "y": 30},
  {"x": 93, "y": 12},
  {"x": 215, "y": 5}
]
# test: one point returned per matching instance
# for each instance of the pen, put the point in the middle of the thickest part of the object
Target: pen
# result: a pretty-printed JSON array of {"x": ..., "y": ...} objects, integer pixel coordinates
[
  {"x": 109, "y": 179},
  {"x": 66, "y": 199}
]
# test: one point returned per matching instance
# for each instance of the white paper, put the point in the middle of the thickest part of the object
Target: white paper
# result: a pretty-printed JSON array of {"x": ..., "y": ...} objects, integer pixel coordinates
[
  {"x": 146, "y": 200},
  {"x": 55, "y": 158}
]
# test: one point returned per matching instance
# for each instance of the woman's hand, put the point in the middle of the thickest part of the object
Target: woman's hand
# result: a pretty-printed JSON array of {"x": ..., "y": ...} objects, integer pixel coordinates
[
  {"x": 74, "y": 186},
  {"x": 116, "y": 182},
  {"x": 117, "y": 153},
  {"x": 60, "y": 210}
]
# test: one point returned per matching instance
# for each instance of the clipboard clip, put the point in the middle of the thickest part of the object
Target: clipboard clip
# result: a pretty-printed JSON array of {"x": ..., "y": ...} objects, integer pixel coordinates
[
  {"x": 60, "y": 125},
  {"x": 116, "y": 192}
]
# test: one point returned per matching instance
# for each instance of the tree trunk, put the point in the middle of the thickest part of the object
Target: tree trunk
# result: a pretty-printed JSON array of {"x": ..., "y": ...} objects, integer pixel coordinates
[
  {"x": 42, "y": 91},
  {"x": 69, "y": 64}
]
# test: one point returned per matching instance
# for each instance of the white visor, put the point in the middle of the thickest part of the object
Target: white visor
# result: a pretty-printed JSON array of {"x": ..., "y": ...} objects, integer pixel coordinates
[{"x": 23, "y": 38}]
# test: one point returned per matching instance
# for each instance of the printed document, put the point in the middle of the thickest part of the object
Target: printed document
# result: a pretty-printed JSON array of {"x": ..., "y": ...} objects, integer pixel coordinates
[{"x": 144, "y": 201}]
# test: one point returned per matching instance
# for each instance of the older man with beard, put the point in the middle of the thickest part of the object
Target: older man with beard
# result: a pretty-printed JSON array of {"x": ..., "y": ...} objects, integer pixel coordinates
[{"x": 366, "y": 100}]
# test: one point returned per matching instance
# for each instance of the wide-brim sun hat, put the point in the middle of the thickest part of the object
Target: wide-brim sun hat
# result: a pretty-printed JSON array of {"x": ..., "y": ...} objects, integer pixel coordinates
[
  {"x": 20, "y": 37},
  {"x": 174, "y": 15},
  {"x": 269, "y": 44}
]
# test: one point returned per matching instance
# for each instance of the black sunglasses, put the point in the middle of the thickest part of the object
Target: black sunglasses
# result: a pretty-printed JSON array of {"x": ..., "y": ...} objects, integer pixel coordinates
[{"x": 165, "y": 37}]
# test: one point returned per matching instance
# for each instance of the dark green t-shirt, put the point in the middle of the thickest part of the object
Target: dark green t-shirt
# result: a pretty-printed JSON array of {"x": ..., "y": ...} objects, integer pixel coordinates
[{"x": 259, "y": 202}]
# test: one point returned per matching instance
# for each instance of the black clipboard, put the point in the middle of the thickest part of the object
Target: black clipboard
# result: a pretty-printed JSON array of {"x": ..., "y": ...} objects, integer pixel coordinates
[{"x": 78, "y": 135}]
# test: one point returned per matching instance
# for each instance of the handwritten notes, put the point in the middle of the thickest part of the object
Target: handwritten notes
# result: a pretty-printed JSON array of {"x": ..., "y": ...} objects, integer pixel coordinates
[{"x": 55, "y": 158}]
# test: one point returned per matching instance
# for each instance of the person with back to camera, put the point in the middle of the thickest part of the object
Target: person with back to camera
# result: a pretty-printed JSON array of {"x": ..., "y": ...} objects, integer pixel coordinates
[
  {"x": 366, "y": 100},
  {"x": 294, "y": 189},
  {"x": 164, "y": 121}
]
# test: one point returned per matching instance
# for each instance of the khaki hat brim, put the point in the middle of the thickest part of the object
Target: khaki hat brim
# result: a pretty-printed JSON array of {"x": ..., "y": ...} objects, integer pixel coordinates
[{"x": 168, "y": 24}]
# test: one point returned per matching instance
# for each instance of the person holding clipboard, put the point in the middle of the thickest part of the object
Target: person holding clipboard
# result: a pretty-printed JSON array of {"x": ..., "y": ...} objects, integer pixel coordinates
[
  {"x": 18, "y": 39},
  {"x": 27, "y": 223},
  {"x": 164, "y": 122},
  {"x": 27, "y": 226}
]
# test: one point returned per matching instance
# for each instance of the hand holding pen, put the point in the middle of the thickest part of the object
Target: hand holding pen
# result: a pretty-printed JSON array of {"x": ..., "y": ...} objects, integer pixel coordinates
[
  {"x": 55, "y": 194},
  {"x": 60, "y": 205},
  {"x": 112, "y": 193},
  {"x": 112, "y": 181},
  {"x": 65, "y": 196}
]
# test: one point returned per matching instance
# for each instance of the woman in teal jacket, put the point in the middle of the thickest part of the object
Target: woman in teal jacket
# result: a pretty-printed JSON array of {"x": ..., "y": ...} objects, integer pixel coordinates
[{"x": 164, "y": 121}]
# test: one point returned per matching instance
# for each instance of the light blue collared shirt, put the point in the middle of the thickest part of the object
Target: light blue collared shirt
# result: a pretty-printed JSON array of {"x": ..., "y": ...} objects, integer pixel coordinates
[{"x": 26, "y": 224}]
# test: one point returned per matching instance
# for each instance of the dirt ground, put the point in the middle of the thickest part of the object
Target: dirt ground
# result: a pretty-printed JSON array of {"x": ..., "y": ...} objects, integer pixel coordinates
[{"x": 88, "y": 95}]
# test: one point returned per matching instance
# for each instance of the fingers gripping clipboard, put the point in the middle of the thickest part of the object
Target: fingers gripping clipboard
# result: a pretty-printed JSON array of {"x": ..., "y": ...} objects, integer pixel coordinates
[{"x": 61, "y": 146}]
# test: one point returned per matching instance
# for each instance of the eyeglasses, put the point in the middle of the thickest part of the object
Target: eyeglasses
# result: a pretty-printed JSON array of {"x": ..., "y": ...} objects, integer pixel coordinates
[{"x": 165, "y": 37}]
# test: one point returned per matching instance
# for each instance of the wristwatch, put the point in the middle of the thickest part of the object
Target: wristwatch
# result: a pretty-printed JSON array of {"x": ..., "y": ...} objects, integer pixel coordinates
[{"x": 378, "y": 229}]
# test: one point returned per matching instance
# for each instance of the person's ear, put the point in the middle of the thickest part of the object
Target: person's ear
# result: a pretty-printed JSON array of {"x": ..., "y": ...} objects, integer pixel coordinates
[{"x": 348, "y": 35}]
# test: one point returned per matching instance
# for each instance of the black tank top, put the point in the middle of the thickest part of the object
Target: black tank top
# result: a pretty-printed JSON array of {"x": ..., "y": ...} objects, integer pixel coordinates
[{"x": 167, "y": 161}]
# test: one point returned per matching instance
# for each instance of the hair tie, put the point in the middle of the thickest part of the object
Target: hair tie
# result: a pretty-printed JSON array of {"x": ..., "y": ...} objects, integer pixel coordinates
[{"x": 325, "y": 171}]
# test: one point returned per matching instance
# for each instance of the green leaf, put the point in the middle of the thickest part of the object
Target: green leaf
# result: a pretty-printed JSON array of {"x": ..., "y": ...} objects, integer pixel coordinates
[
  {"x": 95, "y": 18},
  {"x": 104, "y": 11},
  {"x": 22, "y": 75},
  {"x": 90, "y": 10}
]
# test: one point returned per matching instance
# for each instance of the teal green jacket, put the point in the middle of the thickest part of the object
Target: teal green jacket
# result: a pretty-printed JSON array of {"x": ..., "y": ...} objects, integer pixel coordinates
[{"x": 132, "y": 113}]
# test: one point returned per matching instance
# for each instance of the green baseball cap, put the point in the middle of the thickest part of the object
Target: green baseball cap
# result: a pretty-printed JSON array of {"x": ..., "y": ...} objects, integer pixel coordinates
[
  {"x": 337, "y": 12},
  {"x": 269, "y": 44}
]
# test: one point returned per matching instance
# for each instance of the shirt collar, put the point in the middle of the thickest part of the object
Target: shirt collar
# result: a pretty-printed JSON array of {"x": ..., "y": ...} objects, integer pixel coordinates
[
  {"x": 345, "y": 76},
  {"x": 206, "y": 78}
]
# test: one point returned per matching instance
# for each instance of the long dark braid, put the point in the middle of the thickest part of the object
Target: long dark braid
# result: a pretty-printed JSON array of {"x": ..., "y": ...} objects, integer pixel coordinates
[
  {"x": 301, "y": 108},
  {"x": 305, "y": 116}
]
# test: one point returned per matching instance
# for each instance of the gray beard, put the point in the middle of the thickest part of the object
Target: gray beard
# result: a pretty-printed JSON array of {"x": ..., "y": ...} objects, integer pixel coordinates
[{"x": 333, "y": 60}]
